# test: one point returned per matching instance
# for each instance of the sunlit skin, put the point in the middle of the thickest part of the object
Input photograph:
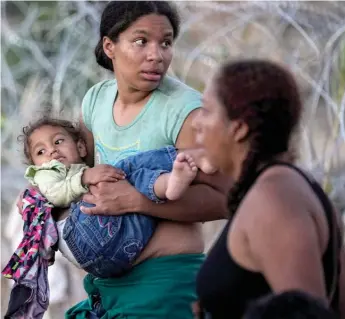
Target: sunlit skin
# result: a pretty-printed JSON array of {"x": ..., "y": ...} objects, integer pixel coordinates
[
  {"x": 220, "y": 137},
  {"x": 141, "y": 55}
]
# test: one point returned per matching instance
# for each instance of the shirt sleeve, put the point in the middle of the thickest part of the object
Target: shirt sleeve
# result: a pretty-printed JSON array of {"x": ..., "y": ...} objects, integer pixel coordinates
[
  {"x": 87, "y": 108},
  {"x": 59, "y": 185},
  {"x": 94, "y": 98},
  {"x": 54, "y": 169},
  {"x": 179, "y": 108}
]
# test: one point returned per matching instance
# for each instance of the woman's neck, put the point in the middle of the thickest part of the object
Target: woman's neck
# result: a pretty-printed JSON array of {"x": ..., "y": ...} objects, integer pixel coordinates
[
  {"x": 238, "y": 163},
  {"x": 283, "y": 157},
  {"x": 235, "y": 168},
  {"x": 128, "y": 96}
]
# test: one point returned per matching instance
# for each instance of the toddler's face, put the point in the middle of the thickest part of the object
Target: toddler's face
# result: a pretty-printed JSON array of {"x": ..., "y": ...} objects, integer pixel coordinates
[{"x": 53, "y": 142}]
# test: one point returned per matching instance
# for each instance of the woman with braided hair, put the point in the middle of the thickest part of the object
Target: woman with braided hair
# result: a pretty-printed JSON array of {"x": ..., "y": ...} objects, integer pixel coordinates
[{"x": 283, "y": 233}]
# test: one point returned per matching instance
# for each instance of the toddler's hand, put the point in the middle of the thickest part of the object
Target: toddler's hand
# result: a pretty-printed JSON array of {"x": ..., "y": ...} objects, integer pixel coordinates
[{"x": 102, "y": 173}]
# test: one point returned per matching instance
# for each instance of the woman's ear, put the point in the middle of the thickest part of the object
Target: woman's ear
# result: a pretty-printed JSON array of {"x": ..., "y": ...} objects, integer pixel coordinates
[
  {"x": 239, "y": 130},
  {"x": 109, "y": 48},
  {"x": 81, "y": 146}
]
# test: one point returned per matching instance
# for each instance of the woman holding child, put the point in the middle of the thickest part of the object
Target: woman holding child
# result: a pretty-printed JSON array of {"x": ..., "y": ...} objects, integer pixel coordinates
[
  {"x": 143, "y": 109},
  {"x": 250, "y": 111},
  {"x": 135, "y": 122}
]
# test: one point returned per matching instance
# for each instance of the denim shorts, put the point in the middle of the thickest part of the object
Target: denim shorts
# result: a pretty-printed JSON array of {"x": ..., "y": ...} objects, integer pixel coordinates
[{"x": 105, "y": 245}]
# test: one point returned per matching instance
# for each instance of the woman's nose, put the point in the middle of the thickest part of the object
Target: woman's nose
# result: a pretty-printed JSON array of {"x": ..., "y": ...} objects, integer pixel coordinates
[{"x": 154, "y": 53}]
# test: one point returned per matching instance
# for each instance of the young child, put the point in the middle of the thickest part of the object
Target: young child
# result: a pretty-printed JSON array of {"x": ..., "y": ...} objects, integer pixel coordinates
[{"x": 104, "y": 246}]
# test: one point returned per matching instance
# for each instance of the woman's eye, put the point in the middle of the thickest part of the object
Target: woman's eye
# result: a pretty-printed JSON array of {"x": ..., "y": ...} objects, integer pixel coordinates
[
  {"x": 40, "y": 152},
  {"x": 167, "y": 43},
  {"x": 140, "y": 42},
  {"x": 59, "y": 141}
]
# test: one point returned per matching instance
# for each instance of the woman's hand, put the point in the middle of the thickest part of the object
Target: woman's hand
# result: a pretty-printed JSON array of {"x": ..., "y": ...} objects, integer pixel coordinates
[{"x": 116, "y": 198}]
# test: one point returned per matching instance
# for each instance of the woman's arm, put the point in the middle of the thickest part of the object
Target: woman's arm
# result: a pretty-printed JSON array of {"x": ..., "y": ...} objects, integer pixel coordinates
[
  {"x": 201, "y": 202},
  {"x": 204, "y": 201},
  {"x": 285, "y": 243}
]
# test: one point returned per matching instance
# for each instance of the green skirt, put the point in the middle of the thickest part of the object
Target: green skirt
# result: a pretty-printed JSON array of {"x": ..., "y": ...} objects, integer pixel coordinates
[{"x": 162, "y": 287}]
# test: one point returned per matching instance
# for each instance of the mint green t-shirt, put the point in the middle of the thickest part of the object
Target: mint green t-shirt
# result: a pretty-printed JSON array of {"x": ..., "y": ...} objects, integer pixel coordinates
[{"x": 157, "y": 125}]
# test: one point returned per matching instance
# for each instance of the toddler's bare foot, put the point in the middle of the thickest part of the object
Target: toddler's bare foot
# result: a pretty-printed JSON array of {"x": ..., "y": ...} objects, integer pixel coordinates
[
  {"x": 206, "y": 166},
  {"x": 183, "y": 173},
  {"x": 201, "y": 160}
]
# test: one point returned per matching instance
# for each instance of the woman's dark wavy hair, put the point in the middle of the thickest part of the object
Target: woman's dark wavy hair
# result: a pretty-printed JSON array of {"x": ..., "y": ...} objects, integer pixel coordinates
[
  {"x": 71, "y": 128},
  {"x": 119, "y": 15},
  {"x": 264, "y": 96}
]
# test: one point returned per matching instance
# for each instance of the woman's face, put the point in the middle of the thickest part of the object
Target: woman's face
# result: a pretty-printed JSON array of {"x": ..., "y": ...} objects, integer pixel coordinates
[
  {"x": 212, "y": 129},
  {"x": 143, "y": 52}
]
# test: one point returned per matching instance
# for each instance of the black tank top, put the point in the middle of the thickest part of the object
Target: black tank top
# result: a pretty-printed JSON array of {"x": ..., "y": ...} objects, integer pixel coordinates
[{"x": 225, "y": 288}]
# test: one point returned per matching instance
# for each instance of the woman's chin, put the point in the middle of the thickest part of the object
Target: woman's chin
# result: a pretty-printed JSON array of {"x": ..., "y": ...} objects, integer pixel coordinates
[
  {"x": 223, "y": 167},
  {"x": 147, "y": 86}
]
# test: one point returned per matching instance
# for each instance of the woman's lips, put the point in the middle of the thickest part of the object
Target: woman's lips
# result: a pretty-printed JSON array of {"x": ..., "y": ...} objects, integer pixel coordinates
[{"x": 152, "y": 76}]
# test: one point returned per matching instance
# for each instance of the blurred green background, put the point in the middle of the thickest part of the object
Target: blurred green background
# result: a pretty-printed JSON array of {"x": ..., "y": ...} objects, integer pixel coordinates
[{"x": 47, "y": 64}]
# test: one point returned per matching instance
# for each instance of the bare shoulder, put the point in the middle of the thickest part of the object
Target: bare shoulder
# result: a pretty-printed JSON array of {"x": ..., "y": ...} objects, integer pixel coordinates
[
  {"x": 186, "y": 137},
  {"x": 280, "y": 186},
  {"x": 285, "y": 241},
  {"x": 283, "y": 177},
  {"x": 281, "y": 202}
]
